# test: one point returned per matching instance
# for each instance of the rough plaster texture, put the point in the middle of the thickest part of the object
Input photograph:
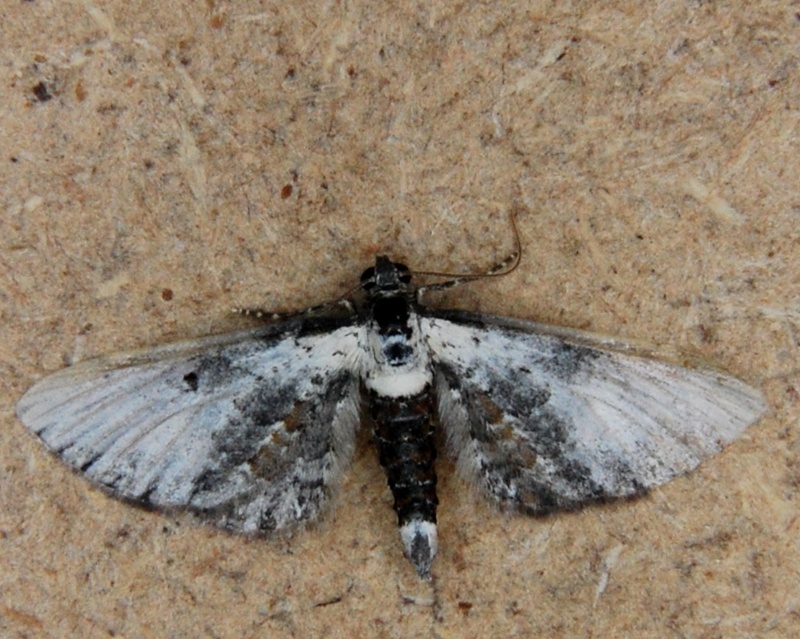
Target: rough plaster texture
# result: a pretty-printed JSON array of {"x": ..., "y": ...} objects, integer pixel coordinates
[{"x": 163, "y": 162}]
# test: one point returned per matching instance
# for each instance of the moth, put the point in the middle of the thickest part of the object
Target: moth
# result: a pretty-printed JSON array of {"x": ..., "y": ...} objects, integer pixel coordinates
[{"x": 253, "y": 430}]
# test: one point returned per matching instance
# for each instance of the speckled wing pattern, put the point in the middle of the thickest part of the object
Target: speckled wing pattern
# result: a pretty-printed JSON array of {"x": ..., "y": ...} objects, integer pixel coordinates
[
  {"x": 249, "y": 430},
  {"x": 545, "y": 419}
]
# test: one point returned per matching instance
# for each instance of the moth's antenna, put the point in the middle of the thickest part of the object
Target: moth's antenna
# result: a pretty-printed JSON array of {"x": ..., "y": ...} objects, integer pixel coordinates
[
  {"x": 505, "y": 267},
  {"x": 502, "y": 268}
]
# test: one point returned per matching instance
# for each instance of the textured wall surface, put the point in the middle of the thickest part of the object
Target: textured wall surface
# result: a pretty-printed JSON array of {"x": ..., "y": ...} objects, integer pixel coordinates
[{"x": 162, "y": 164}]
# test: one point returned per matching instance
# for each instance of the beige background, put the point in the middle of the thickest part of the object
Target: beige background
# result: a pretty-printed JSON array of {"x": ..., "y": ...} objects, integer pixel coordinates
[{"x": 650, "y": 151}]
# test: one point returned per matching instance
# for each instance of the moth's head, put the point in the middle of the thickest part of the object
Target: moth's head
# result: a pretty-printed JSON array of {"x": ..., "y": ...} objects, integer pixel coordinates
[{"x": 385, "y": 277}]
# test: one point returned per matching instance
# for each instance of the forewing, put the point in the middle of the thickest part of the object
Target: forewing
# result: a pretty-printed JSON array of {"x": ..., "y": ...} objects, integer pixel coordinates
[
  {"x": 548, "y": 419},
  {"x": 249, "y": 430}
]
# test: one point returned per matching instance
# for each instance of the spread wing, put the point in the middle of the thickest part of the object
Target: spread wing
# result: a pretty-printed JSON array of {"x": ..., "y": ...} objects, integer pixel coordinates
[
  {"x": 249, "y": 430},
  {"x": 546, "y": 419}
]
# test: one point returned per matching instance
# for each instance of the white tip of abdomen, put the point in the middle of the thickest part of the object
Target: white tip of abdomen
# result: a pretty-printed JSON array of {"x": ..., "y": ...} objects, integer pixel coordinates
[{"x": 420, "y": 542}]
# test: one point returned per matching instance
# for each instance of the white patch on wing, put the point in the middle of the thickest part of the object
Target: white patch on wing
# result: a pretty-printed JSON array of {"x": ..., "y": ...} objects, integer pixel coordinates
[
  {"x": 544, "y": 423},
  {"x": 207, "y": 424}
]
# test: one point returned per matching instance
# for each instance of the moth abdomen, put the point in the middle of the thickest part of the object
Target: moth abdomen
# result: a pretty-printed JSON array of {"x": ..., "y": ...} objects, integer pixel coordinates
[{"x": 405, "y": 435}]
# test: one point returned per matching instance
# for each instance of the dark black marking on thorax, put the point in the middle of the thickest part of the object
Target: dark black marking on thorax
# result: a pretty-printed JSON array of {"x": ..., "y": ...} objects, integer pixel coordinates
[{"x": 390, "y": 303}]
